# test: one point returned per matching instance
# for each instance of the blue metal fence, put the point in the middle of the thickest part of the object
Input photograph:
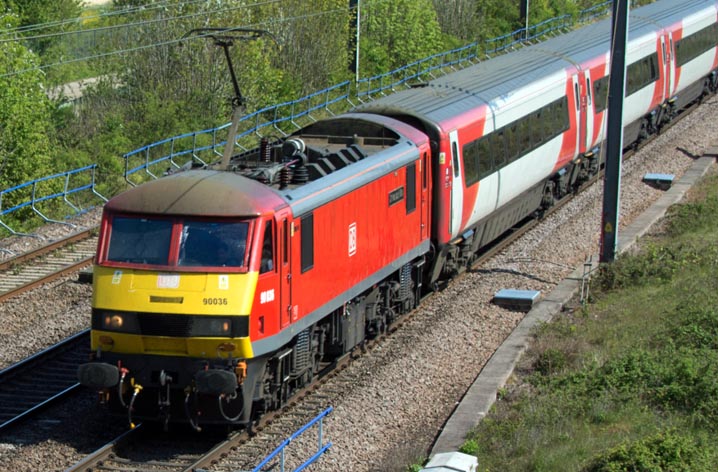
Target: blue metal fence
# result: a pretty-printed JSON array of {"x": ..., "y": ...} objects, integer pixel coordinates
[
  {"x": 279, "y": 451},
  {"x": 153, "y": 160},
  {"x": 43, "y": 190}
]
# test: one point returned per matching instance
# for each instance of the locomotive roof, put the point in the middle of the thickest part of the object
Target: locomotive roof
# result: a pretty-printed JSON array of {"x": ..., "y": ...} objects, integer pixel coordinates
[
  {"x": 389, "y": 145},
  {"x": 461, "y": 92},
  {"x": 199, "y": 193}
]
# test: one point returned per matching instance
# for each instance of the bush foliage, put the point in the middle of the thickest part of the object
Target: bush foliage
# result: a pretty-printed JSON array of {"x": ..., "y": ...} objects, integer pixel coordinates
[{"x": 630, "y": 382}]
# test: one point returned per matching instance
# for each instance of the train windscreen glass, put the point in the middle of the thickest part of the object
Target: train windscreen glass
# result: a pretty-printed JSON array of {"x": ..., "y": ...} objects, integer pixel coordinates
[
  {"x": 213, "y": 244},
  {"x": 148, "y": 241},
  {"x": 140, "y": 241}
]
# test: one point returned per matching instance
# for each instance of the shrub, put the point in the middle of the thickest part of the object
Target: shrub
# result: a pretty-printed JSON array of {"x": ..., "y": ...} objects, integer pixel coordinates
[{"x": 665, "y": 451}]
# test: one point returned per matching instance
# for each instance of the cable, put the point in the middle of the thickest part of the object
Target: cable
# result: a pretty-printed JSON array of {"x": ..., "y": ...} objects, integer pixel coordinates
[
  {"x": 119, "y": 12},
  {"x": 129, "y": 25},
  {"x": 165, "y": 43}
]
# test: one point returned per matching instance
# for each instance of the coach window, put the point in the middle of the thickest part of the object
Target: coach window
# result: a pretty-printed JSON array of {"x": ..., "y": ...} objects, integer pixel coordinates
[
  {"x": 307, "y": 242},
  {"x": 696, "y": 44},
  {"x": 425, "y": 171},
  {"x": 455, "y": 157},
  {"x": 471, "y": 163},
  {"x": 410, "y": 188},
  {"x": 486, "y": 164},
  {"x": 524, "y": 132},
  {"x": 537, "y": 126},
  {"x": 575, "y": 96},
  {"x": 497, "y": 142},
  {"x": 513, "y": 141},
  {"x": 267, "y": 263},
  {"x": 563, "y": 115},
  {"x": 641, "y": 73},
  {"x": 600, "y": 94}
]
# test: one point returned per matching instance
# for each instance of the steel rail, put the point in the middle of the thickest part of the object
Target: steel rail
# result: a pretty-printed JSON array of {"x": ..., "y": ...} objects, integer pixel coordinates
[
  {"x": 90, "y": 462},
  {"x": 41, "y": 251},
  {"x": 26, "y": 382},
  {"x": 30, "y": 270}
]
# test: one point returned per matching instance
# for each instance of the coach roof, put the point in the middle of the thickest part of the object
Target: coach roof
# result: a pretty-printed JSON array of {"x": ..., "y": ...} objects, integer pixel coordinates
[{"x": 481, "y": 84}]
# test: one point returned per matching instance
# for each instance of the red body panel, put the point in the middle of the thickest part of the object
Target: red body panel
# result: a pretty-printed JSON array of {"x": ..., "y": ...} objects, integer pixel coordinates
[{"x": 354, "y": 236}]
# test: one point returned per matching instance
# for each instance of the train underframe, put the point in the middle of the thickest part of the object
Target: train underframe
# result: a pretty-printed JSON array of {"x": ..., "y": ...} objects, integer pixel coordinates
[{"x": 227, "y": 391}]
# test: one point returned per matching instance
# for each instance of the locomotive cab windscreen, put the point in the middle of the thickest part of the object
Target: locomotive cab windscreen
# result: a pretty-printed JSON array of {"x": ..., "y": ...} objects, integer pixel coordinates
[{"x": 178, "y": 243}]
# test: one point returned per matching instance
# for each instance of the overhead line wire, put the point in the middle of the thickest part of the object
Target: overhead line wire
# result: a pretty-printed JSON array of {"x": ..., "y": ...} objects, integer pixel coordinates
[
  {"x": 163, "y": 43},
  {"x": 125, "y": 11},
  {"x": 137, "y": 24}
]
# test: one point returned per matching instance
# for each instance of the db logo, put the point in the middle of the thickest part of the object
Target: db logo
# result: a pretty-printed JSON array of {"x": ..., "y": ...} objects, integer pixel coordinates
[{"x": 352, "y": 239}]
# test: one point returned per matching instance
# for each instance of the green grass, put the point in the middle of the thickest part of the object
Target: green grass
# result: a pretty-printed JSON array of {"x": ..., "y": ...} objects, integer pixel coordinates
[{"x": 629, "y": 382}]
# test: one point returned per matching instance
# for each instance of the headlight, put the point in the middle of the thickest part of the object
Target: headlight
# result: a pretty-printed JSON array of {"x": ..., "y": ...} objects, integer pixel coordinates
[
  {"x": 211, "y": 326},
  {"x": 113, "y": 322},
  {"x": 124, "y": 322}
]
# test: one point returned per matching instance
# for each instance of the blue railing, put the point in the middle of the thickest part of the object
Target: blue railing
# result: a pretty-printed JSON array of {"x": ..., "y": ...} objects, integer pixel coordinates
[
  {"x": 153, "y": 160},
  {"x": 389, "y": 81},
  {"x": 44, "y": 189},
  {"x": 279, "y": 451}
]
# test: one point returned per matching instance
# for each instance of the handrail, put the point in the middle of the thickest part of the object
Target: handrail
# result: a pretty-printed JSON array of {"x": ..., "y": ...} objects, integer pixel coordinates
[
  {"x": 36, "y": 195},
  {"x": 321, "y": 448}
]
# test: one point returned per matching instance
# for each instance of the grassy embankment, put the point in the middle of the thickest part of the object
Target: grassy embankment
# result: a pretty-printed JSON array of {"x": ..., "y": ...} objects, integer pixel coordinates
[{"x": 630, "y": 381}]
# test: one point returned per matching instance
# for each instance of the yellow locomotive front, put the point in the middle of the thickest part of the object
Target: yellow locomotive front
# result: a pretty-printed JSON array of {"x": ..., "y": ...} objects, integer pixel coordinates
[{"x": 173, "y": 288}]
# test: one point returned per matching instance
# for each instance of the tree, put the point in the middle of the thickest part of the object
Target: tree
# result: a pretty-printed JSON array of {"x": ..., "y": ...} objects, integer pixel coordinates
[
  {"x": 457, "y": 18},
  {"x": 38, "y": 12},
  {"x": 25, "y": 126},
  {"x": 397, "y": 32}
]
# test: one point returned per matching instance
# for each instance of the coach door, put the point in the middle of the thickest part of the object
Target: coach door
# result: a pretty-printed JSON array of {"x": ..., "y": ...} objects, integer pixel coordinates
[
  {"x": 285, "y": 266},
  {"x": 581, "y": 101},
  {"x": 588, "y": 115},
  {"x": 457, "y": 188},
  {"x": 669, "y": 64}
]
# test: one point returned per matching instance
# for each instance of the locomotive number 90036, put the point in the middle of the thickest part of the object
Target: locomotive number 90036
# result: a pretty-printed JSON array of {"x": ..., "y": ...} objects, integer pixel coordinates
[{"x": 215, "y": 301}]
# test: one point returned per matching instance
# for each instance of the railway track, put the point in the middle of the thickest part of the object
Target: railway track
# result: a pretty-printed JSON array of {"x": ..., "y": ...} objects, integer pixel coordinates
[
  {"x": 47, "y": 263},
  {"x": 145, "y": 447},
  {"x": 34, "y": 383}
]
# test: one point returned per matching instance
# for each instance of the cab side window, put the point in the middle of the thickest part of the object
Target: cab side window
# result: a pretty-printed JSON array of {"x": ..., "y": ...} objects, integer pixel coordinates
[{"x": 267, "y": 263}]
